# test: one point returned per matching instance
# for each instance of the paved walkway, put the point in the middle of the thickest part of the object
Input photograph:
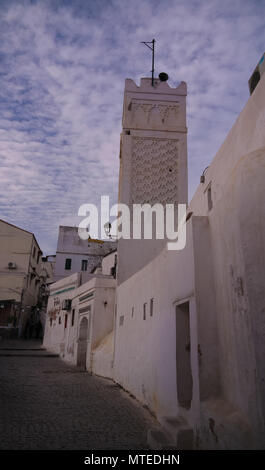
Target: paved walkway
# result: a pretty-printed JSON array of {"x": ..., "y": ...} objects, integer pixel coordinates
[{"x": 47, "y": 404}]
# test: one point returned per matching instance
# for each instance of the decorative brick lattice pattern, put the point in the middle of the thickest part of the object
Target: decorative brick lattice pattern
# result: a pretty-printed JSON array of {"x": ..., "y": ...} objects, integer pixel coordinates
[{"x": 154, "y": 171}]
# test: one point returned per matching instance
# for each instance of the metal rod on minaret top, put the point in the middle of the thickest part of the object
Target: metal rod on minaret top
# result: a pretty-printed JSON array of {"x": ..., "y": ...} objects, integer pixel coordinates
[{"x": 153, "y": 56}]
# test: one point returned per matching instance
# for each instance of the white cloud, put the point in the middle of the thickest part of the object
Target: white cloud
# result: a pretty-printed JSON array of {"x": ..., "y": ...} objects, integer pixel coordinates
[{"x": 63, "y": 67}]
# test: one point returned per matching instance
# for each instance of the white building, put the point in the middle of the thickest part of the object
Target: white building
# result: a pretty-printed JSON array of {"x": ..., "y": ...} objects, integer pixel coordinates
[
  {"x": 74, "y": 255},
  {"x": 189, "y": 325},
  {"x": 80, "y": 314}
]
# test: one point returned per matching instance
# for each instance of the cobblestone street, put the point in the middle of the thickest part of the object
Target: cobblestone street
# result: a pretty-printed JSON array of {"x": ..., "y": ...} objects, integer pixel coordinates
[{"x": 47, "y": 404}]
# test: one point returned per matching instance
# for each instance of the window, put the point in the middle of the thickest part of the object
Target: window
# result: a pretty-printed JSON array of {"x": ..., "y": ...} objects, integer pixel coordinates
[
  {"x": 84, "y": 265},
  {"x": 132, "y": 311},
  {"x": 50, "y": 321},
  {"x": 121, "y": 320},
  {"x": 254, "y": 80},
  {"x": 144, "y": 311},
  {"x": 68, "y": 263},
  {"x": 73, "y": 317},
  {"x": 60, "y": 320},
  {"x": 151, "y": 307},
  {"x": 65, "y": 321}
]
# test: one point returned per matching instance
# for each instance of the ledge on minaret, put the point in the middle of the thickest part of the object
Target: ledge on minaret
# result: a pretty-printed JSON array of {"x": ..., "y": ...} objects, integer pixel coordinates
[{"x": 159, "y": 87}]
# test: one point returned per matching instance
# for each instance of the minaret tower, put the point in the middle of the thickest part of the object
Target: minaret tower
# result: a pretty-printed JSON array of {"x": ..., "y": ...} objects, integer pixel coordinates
[{"x": 153, "y": 159}]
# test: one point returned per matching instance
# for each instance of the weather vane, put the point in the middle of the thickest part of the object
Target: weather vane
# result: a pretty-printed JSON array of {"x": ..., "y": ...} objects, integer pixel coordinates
[{"x": 153, "y": 56}]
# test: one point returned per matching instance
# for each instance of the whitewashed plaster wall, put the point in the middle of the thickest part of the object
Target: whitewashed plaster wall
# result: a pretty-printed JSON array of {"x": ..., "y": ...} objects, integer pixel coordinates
[
  {"x": 76, "y": 264},
  {"x": 108, "y": 262},
  {"x": 145, "y": 350},
  {"x": 237, "y": 227},
  {"x": 222, "y": 272},
  {"x": 70, "y": 245},
  {"x": 102, "y": 357},
  {"x": 55, "y": 334},
  {"x": 97, "y": 307}
]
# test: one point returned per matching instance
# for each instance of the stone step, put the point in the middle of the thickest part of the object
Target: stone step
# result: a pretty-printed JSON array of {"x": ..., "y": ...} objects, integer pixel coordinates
[
  {"x": 158, "y": 440},
  {"x": 24, "y": 353},
  {"x": 179, "y": 433},
  {"x": 22, "y": 349}
]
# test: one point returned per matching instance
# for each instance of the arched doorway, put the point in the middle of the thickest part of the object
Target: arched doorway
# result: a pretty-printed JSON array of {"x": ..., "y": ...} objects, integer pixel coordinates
[{"x": 82, "y": 343}]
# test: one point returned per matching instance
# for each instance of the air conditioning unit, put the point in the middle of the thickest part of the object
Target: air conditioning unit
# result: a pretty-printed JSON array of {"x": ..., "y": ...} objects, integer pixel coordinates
[
  {"x": 66, "y": 304},
  {"x": 12, "y": 265},
  {"x": 255, "y": 77}
]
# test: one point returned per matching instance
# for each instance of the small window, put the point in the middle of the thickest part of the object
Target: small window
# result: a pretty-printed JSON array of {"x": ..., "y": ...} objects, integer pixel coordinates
[
  {"x": 65, "y": 321},
  {"x": 73, "y": 317},
  {"x": 50, "y": 321},
  {"x": 209, "y": 198},
  {"x": 60, "y": 320},
  {"x": 254, "y": 80},
  {"x": 121, "y": 320},
  {"x": 68, "y": 263},
  {"x": 132, "y": 311},
  {"x": 151, "y": 307},
  {"x": 84, "y": 265},
  {"x": 144, "y": 316}
]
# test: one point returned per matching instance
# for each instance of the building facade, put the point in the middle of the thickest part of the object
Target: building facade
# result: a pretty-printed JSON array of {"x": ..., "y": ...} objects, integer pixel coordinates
[
  {"x": 80, "y": 315},
  {"x": 188, "y": 337},
  {"x": 22, "y": 277},
  {"x": 153, "y": 161},
  {"x": 75, "y": 255}
]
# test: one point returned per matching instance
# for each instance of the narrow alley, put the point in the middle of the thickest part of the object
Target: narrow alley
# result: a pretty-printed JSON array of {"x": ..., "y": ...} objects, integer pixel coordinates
[{"x": 47, "y": 404}]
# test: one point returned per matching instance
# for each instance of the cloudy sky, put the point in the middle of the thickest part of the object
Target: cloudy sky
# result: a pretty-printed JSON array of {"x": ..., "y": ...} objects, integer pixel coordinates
[{"x": 62, "y": 69}]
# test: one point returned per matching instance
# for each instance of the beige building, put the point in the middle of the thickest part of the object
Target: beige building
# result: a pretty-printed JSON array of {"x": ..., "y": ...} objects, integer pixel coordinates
[{"x": 22, "y": 274}]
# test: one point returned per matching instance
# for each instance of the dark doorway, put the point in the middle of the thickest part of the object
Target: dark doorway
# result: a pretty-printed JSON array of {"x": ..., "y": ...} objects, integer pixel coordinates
[
  {"x": 184, "y": 375},
  {"x": 82, "y": 343}
]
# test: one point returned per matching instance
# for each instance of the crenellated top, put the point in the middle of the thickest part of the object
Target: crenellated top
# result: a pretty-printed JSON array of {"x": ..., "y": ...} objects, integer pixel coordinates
[
  {"x": 159, "y": 87},
  {"x": 158, "y": 107}
]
